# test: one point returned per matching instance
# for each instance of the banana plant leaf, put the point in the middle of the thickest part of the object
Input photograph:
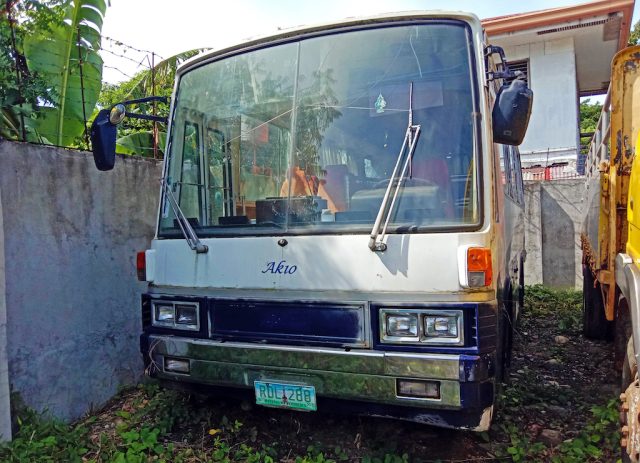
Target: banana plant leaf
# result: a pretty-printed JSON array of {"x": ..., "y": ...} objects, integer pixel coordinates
[
  {"x": 11, "y": 124},
  {"x": 59, "y": 56},
  {"x": 140, "y": 143},
  {"x": 164, "y": 73}
]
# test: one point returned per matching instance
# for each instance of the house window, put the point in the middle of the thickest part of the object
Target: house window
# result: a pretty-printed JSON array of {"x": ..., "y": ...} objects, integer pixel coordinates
[{"x": 522, "y": 66}]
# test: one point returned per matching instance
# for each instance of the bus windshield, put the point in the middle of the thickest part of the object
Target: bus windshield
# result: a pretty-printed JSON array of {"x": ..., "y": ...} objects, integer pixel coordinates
[{"x": 303, "y": 136}]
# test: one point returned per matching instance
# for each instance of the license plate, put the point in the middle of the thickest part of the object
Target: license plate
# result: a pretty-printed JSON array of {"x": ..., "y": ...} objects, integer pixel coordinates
[{"x": 284, "y": 395}]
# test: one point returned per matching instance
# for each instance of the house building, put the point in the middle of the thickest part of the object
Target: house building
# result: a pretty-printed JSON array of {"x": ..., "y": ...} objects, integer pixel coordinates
[{"x": 565, "y": 54}]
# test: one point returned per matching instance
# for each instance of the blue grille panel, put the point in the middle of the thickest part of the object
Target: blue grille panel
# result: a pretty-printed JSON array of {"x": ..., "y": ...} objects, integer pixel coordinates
[{"x": 307, "y": 323}]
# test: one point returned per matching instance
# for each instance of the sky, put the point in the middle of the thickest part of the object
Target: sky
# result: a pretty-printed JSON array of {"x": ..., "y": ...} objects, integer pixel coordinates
[{"x": 167, "y": 27}]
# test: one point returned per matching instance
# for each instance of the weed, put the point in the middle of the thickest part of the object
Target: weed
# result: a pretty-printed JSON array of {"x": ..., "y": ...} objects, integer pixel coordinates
[
  {"x": 601, "y": 432},
  {"x": 44, "y": 439},
  {"x": 387, "y": 458}
]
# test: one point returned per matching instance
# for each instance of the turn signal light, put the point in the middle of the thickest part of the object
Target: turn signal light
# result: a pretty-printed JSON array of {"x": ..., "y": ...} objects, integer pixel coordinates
[
  {"x": 141, "y": 266},
  {"x": 479, "y": 271}
]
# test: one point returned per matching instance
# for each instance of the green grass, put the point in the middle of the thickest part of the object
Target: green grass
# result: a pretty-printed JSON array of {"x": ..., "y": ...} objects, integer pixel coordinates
[
  {"x": 142, "y": 431},
  {"x": 562, "y": 307}
]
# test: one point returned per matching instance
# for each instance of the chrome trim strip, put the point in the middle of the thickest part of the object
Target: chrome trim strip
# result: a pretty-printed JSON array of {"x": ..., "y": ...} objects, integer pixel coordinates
[
  {"x": 340, "y": 385},
  {"x": 422, "y": 366},
  {"x": 362, "y": 362}
]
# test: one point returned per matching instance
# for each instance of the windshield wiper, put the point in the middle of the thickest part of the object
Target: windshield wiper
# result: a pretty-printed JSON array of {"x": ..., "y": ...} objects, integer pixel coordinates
[
  {"x": 376, "y": 241},
  {"x": 187, "y": 230}
]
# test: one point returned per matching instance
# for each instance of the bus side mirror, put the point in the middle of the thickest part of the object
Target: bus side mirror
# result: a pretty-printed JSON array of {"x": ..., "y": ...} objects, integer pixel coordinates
[
  {"x": 103, "y": 136},
  {"x": 511, "y": 113}
]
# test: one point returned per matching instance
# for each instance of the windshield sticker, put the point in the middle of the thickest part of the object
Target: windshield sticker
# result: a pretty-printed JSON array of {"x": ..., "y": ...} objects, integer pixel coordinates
[
  {"x": 380, "y": 104},
  {"x": 280, "y": 267}
]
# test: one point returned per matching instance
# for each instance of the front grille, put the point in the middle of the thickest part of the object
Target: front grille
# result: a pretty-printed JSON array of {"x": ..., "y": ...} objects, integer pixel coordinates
[{"x": 288, "y": 322}]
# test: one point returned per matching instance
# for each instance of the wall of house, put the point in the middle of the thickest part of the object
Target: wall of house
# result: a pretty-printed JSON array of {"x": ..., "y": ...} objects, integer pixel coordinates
[
  {"x": 69, "y": 235},
  {"x": 553, "y": 129}
]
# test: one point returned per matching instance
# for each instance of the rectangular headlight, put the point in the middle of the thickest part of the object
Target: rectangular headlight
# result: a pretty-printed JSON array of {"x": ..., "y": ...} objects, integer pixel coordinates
[
  {"x": 164, "y": 313},
  {"x": 445, "y": 326},
  {"x": 422, "y": 326},
  {"x": 186, "y": 314},
  {"x": 176, "y": 315},
  {"x": 402, "y": 325}
]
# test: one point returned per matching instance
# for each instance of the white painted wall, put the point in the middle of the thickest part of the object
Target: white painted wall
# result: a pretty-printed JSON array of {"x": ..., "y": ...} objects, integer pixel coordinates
[{"x": 553, "y": 127}]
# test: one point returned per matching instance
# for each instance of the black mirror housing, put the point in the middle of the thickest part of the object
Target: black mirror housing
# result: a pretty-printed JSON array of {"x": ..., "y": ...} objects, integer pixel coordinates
[
  {"x": 511, "y": 113},
  {"x": 103, "y": 141}
]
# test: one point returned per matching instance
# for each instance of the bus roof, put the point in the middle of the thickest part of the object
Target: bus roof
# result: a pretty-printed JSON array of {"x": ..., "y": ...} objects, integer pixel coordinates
[{"x": 286, "y": 34}]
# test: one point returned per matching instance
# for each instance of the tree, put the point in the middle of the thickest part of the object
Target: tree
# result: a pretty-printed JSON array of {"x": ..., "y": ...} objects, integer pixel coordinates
[
  {"x": 634, "y": 37},
  {"x": 51, "y": 47},
  {"x": 21, "y": 88},
  {"x": 589, "y": 116}
]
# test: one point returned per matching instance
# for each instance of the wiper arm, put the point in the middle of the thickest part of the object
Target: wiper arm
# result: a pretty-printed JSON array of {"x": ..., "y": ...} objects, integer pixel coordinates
[
  {"x": 376, "y": 240},
  {"x": 187, "y": 230}
]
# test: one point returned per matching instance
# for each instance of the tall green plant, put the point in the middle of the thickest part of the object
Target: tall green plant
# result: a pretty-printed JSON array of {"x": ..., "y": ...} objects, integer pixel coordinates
[
  {"x": 66, "y": 56},
  {"x": 20, "y": 88}
]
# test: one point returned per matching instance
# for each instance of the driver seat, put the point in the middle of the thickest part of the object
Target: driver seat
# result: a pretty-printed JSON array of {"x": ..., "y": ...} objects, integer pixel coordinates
[{"x": 436, "y": 171}]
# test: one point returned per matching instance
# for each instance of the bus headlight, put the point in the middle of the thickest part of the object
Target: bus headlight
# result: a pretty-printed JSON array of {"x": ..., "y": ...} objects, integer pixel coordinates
[
  {"x": 186, "y": 314},
  {"x": 422, "y": 326},
  {"x": 176, "y": 315},
  {"x": 402, "y": 325},
  {"x": 164, "y": 313},
  {"x": 441, "y": 326}
]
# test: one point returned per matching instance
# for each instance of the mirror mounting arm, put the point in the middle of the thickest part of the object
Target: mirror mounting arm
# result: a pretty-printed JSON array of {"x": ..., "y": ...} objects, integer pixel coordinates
[
  {"x": 505, "y": 73},
  {"x": 161, "y": 99},
  {"x": 147, "y": 117}
]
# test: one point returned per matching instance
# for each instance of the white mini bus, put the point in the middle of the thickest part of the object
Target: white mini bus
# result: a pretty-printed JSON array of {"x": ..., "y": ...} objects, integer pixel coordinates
[{"x": 340, "y": 222}]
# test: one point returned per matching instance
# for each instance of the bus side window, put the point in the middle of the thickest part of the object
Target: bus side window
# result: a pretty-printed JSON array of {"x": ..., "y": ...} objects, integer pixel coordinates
[
  {"x": 506, "y": 170},
  {"x": 190, "y": 174},
  {"x": 517, "y": 169},
  {"x": 217, "y": 176}
]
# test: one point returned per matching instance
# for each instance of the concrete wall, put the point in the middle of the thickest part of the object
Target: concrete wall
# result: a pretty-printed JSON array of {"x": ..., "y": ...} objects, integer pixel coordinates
[
  {"x": 5, "y": 415},
  {"x": 553, "y": 129},
  {"x": 553, "y": 217},
  {"x": 72, "y": 297}
]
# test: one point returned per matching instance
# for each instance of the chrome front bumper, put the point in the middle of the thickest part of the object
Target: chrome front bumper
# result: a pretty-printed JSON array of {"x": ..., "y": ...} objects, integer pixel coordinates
[{"x": 361, "y": 375}]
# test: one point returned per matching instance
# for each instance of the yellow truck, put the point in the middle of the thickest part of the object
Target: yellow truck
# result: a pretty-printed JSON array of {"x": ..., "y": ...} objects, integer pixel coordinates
[{"x": 611, "y": 236}]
